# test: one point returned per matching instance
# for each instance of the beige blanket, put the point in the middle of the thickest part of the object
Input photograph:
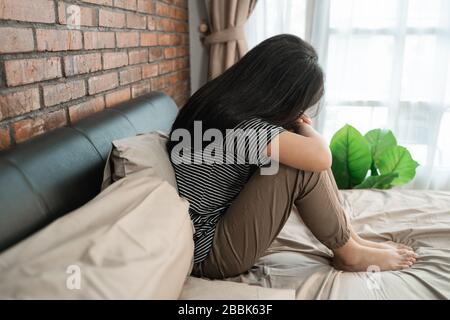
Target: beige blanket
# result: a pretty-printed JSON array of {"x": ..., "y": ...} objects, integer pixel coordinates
[
  {"x": 420, "y": 219},
  {"x": 133, "y": 241}
]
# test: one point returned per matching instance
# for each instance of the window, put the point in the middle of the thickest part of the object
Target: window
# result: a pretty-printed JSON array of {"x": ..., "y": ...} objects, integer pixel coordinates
[
  {"x": 387, "y": 64},
  {"x": 386, "y": 67}
]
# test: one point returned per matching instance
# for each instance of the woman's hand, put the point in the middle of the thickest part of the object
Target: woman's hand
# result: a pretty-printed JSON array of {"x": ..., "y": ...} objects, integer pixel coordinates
[
  {"x": 305, "y": 119},
  {"x": 306, "y": 150},
  {"x": 305, "y": 127}
]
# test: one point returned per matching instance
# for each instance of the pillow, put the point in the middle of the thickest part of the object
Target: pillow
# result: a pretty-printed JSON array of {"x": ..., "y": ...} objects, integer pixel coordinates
[
  {"x": 134, "y": 154},
  {"x": 133, "y": 241}
]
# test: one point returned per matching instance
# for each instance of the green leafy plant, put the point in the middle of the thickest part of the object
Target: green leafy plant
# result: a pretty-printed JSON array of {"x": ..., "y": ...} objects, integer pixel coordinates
[{"x": 370, "y": 161}]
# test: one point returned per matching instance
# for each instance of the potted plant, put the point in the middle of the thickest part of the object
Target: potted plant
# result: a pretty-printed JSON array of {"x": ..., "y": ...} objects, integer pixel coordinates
[{"x": 374, "y": 160}]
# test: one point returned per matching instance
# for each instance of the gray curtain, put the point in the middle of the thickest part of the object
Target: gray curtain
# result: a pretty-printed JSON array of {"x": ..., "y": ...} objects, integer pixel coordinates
[{"x": 226, "y": 41}]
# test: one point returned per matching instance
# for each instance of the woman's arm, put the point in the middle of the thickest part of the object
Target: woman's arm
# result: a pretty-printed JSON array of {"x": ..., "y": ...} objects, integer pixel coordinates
[{"x": 307, "y": 150}]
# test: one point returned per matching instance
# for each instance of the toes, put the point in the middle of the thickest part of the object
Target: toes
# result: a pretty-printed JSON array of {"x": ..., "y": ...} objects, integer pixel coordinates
[
  {"x": 413, "y": 255},
  {"x": 408, "y": 262},
  {"x": 400, "y": 245},
  {"x": 407, "y": 257},
  {"x": 405, "y": 252}
]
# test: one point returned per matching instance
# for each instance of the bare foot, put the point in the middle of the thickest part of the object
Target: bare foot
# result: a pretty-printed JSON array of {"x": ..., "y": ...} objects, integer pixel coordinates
[
  {"x": 355, "y": 257},
  {"x": 398, "y": 245},
  {"x": 379, "y": 245}
]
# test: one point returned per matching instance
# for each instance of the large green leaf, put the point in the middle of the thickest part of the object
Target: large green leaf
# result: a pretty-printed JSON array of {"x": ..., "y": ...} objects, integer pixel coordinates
[
  {"x": 351, "y": 157},
  {"x": 397, "y": 159},
  {"x": 378, "y": 182},
  {"x": 373, "y": 169},
  {"x": 379, "y": 141}
]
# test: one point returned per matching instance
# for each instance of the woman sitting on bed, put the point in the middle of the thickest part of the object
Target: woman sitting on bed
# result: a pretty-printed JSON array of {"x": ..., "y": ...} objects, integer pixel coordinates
[{"x": 238, "y": 209}]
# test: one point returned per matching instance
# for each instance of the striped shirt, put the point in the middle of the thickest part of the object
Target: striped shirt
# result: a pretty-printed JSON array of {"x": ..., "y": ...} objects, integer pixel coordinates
[{"x": 211, "y": 187}]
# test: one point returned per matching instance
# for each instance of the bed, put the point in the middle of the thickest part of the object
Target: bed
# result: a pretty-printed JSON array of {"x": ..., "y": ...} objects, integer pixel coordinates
[
  {"x": 44, "y": 179},
  {"x": 420, "y": 219}
]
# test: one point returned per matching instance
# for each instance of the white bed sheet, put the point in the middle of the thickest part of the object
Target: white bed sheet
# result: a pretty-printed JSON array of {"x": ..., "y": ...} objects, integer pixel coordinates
[{"x": 421, "y": 219}]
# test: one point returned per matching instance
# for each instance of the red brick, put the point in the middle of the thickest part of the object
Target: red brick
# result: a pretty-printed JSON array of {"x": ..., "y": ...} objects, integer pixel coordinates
[
  {"x": 58, "y": 40},
  {"x": 184, "y": 86},
  {"x": 30, "y": 127},
  {"x": 103, "y": 83},
  {"x": 169, "y": 91},
  {"x": 170, "y": 12},
  {"x": 100, "y": 2},
  {"x": 166, "y": 66},
  {"x": 82, "y": 110},
  {"x": 181, "y": 14},
  {"x": 63, "y": 92},
  {"x": 140, "y": 89},
  {"x": 183, "y": 75},
  {"x": 181, "y": 63},
  {"x": 25, "y": 71},
  {"x": 19, "y": 102},
  {"x": 164, "y": 45},
  {"x": 144, "y": 6},
  {"x": 127, "y": 39},
  {"x": 111, "y": 19},
  {"x": 184, "y": 39},
  {"x": 181, "y": 26},
  {"x": 88, "y": 16},
  {"x": 149, "y": 39},
  {"x": 166, "y": 25},
  {"x": 55, "y": 119},
  {"x": 83, "y": 63},
  {"x": 155, "y": 54},
  {"x": 117, "y": 97},
  {"x": 169, "y": 40},
  {"x": 138, "y": 56},
  {"x": 5, "y": 138},
  {"x": 164, "y": 10},
  {"x": 16, "y": 40},
  {"x": 28, "y": 10},
  {"x": 130, "y": 75},
  {"x": 158, "y": 83},
  {"x": 180, "y": 3},
  {"x": 151, "y": 25},
  {"x": 113, "y": 60},
  {"x": 125, "y": 4},
  {"x": 165, "y": 81},
  {"x": 149, "y": 70},
  {"x": 99, "y": 40},
  {"x": 135, "y": 21},
  {"x": 172, "y": 52}
]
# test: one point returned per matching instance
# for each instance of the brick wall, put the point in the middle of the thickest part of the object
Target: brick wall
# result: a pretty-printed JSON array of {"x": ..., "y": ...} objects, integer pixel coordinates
[{"x": 53, "y": 73}]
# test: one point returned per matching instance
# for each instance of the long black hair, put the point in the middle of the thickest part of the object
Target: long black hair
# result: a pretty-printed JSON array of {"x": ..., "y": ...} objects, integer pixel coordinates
[{"x": 276, "y": 81}]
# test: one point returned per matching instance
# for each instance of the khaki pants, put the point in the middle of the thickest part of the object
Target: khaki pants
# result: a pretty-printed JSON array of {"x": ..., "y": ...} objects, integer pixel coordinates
[{"x": 260, "y": 211}]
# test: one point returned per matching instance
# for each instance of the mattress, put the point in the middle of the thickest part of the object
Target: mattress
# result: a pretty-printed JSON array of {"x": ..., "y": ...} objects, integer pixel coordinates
[{"x": 420, "y": 219}]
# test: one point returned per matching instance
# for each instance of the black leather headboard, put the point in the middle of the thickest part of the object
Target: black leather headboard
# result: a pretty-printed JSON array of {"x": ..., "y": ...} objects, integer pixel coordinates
[{"x": 55, "y": 173}]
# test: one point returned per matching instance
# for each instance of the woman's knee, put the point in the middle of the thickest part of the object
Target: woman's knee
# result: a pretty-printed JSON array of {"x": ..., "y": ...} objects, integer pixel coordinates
[{"x": 283, "y": 172}]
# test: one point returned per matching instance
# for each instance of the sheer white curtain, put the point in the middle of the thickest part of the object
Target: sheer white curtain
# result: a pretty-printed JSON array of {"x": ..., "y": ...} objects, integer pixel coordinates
[
  {"x": 272, "y": 17},
  {"x": 387, "y": 64}
]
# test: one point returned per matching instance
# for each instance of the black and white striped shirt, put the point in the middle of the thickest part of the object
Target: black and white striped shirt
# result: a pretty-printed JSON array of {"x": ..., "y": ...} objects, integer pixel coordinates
[{"x": 211, "y": 187}]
